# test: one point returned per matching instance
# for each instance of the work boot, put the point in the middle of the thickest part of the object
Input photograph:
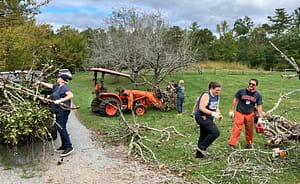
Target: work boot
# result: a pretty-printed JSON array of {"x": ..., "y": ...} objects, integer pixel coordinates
[
  {"x": 231, "y": 147},
  {"x": 249, "y": 146}
]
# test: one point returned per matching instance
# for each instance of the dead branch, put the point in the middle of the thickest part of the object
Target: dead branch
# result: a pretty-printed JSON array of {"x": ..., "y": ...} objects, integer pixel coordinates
[
  {"x": 253, "y": 163},
  {"x": 290, "y": 109},
  {"x": 290, "y": 60},
  {"x": 9, "y": 100},
  {"x": 14, "y": 93},
  {"x": 280, "y": 99},
  {"x": 136, "y": 144},
  {"x": 208, "y": 180}
]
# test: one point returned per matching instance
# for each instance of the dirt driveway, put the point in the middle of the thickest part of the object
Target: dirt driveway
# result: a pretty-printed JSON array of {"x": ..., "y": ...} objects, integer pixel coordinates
[{"x": 88, "y": 164}]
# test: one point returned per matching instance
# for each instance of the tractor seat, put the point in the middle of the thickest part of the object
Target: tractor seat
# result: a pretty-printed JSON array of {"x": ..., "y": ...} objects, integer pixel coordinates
[
  {"x": 122, "y": 93},
  {"x": 103, "y": 90}
]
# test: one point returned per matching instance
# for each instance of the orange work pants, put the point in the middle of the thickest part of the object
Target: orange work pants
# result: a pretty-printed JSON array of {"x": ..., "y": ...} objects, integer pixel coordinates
[{"x": 238, "y": 123}]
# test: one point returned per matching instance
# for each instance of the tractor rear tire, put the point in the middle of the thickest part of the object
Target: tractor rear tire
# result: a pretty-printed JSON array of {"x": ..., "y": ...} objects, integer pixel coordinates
[
  {"x": 109, "y": 107},
  {"x": 95, "y": 105},
  {"x": 139, "y": 109}
]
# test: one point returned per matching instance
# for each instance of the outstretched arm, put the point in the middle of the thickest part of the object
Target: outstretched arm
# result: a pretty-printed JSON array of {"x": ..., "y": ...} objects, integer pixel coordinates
[{"x": 48, "y": 85}]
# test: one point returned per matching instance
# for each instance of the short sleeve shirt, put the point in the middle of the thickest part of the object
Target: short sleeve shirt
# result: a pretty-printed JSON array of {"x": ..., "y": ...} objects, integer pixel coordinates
[
  {"x": 247, "y": 101},
  {"x": 59, "y": 92}
]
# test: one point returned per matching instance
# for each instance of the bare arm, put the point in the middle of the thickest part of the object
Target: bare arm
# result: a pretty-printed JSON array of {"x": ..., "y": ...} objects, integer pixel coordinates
[
  {"x": 203, "y": 103},
  {"x": 69, "y": 96},
  {"x": 233, "y": 104},
  {"x": 48, "y": 85},
  {"x": 259, "y": 111}
]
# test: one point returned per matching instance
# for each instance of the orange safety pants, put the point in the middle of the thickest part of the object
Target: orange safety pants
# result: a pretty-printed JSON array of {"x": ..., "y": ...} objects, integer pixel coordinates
[{"x": 238, "y": 123}]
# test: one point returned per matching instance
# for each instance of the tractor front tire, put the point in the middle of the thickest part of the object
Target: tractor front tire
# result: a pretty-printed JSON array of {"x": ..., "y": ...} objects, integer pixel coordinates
[
  {"x": 139, "y": 109},
  {"x": 109, "y": 107}
]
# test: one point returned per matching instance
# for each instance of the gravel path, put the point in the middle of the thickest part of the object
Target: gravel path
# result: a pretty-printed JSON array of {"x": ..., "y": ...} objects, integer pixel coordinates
[{"x": 88, "y": 164}]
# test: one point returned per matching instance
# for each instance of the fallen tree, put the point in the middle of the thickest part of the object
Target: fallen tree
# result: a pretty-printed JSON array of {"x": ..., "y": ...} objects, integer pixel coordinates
[
  {"x": 138, "y": 135},
  {"x": 277, "y": 127},
  {"x": 134, "y": 131}
]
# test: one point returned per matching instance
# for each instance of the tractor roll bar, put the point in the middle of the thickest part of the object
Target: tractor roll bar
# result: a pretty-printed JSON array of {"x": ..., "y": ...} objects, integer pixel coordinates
[{"x": 104, "y": 71}]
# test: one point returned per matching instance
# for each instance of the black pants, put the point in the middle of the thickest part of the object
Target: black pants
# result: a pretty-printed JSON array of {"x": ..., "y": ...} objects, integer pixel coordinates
[{"x": 208, "y": 132}]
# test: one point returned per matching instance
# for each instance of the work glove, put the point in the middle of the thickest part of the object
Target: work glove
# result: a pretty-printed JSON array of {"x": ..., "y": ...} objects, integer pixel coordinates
[
  {"x": 220, "y": 117},
  {"x": 217, "y": 116},
  {"x": 36, "y": 83},
  {"x": 58, "y": 101},
  {"x": 260, "y": 121},
  {"x": 231, "y": 114}
]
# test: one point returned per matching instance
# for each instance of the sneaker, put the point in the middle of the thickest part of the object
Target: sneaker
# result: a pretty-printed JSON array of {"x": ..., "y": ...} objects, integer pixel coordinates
[
  {"x": 201, "y": 153},
  {"x": 60, "y": 149},
  {"x": 66, "y": 152},
  {"x": 249, "y": 146}
]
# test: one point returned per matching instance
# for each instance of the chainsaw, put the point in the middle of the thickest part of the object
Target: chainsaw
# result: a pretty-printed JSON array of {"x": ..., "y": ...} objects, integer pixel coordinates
[
  {"x": 277, "y": 152},
  {"x": 260, "y": 128}
]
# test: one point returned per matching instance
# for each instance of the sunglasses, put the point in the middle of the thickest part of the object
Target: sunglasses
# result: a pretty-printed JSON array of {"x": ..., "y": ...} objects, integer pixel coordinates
[{"x": 252, "y": 84}]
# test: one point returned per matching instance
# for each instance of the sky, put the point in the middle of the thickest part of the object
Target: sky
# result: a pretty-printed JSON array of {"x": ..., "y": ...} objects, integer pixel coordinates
[{"x": 83, "y": 14}]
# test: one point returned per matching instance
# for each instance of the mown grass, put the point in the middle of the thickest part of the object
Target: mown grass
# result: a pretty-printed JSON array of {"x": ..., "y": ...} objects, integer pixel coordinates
[{"x": 179, "y": 152}]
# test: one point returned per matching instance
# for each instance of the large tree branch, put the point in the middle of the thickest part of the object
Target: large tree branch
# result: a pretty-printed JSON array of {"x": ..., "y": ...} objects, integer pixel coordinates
[
  {"x": 290, "y": 60},
  {"x": 280, "y": 99}
]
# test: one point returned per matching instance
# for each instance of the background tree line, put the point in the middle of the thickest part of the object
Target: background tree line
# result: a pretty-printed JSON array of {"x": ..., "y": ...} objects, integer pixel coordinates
[{"x": 142, "y": 43}]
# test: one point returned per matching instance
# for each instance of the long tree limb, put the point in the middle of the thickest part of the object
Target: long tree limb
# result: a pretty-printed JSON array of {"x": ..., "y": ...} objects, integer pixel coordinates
[
  {"x": 280, "y": 99},
  {"x": 290, "y": 60}
]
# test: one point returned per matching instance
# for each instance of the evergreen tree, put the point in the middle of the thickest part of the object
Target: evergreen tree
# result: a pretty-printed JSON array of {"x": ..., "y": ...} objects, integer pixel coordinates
[
  {"x": 280, "y": 23},
  {"x": 296, "y": 18},
  {"x": 16, "y": 12}
]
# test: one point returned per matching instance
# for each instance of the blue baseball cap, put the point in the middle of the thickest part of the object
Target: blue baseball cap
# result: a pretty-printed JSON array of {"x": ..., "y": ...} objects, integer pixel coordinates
[{"x": 63, "y": 76}]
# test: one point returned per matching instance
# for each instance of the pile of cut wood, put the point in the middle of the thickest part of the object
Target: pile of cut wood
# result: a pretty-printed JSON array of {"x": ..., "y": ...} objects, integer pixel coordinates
[{"x": 279, "y": 129}]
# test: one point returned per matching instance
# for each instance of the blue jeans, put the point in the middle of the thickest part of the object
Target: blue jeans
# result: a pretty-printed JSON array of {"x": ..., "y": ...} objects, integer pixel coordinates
[
  {"x": 180, "y": 101},
  {"x": 61, "y": 120}
]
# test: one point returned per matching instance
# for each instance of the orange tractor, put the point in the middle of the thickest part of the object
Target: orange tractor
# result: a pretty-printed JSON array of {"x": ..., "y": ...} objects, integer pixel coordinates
[{"x": 107, "y": 104}]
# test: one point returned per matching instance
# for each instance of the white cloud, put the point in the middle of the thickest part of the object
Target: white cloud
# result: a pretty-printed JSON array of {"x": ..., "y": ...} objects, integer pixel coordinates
[{"x": 91, "y": 13}]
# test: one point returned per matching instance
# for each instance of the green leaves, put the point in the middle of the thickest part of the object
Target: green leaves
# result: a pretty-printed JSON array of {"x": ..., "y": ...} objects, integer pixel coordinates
[{"x": 29, "y": 122}]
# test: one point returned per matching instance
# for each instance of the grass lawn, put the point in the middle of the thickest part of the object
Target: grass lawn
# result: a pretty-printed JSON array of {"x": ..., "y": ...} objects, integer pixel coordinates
[{"x": 179, "y": 152}]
